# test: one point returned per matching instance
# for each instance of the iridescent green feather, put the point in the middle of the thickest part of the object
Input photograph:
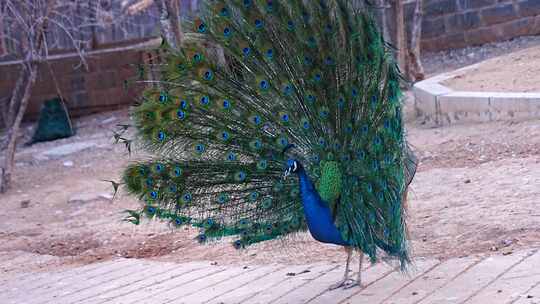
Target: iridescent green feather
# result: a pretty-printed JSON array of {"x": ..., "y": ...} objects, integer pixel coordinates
[{"x": 253, "y": 78}]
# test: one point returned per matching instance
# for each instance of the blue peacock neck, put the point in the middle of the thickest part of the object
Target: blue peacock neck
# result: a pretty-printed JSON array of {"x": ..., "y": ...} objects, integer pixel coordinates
[{"x": 317, "y": 213}]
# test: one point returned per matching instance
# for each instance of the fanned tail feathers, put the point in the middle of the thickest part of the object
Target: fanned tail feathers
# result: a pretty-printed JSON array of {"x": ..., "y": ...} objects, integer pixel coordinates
[{"x": 313, "y": 74}]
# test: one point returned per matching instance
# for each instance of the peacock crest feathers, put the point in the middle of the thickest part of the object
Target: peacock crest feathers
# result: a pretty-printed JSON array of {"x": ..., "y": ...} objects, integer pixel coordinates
[{"x": 259, "y": 82}]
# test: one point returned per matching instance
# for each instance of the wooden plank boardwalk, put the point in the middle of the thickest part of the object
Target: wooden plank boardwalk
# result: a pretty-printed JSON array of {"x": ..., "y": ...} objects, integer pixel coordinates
[{"x": 497, "y": 279}]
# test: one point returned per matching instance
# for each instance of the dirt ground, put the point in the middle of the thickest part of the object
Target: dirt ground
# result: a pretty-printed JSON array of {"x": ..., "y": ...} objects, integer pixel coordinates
[
  {"x": 477, "y": 190},
  {"x": 516, "y": 72}
]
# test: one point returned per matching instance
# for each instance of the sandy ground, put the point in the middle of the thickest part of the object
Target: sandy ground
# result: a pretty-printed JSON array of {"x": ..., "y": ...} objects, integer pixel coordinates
[
  {"x": 444, "y": 61},
  {"x": 515, "y": 72},
  {"x": 476, "y": 191}
]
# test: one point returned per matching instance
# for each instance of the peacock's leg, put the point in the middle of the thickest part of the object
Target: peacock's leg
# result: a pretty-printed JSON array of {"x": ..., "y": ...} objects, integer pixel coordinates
[
  {"x": 346, "y": 275},
  {"x": 358, "y": 282}
]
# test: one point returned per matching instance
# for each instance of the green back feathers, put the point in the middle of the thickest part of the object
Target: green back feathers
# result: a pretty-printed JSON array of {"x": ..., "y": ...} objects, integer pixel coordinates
[
  {"x": 331, "y": 181},
  {"x": 254, "y": 78}
]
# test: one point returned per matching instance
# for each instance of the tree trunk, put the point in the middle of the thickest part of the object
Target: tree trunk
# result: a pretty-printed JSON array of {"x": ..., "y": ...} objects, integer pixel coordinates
[
  {"x": 401, "y": 38},
  {"x": 9, "y": 161},
  {"x": 13, "y": 103},
  {"x": 3, "y": 48},
  {"x": 167, "y": 23},
  {"x": 414, "y": 64},
  {"x": 28, "y": 75},
  {"x": 173, "y": 6},
  {"x": 384, "y": 22}
]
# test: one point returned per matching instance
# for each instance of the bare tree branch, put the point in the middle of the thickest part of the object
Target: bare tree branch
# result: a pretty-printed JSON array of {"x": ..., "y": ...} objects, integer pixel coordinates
[
  {"x": 415, "y": 70},
  {"x": 401, "y": 36},
  {"x": 167, "y": 23}
]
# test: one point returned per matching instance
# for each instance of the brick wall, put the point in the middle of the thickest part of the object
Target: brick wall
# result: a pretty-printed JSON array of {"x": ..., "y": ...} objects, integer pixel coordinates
[
  {"x": 99, "y": 88},
  {"x": 459, "y": 23}
]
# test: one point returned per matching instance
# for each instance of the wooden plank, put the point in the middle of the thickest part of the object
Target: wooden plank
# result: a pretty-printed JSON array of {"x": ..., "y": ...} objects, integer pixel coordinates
[
  {"x": 225, "y": 287},
  {"x": 384, "y": 288},
  {"x": 37, "y": 279},
  {"x": 319, "y": 286},
  {"x": 168, "y": 272},
  {"x": 146, "y": 294},
  {"x": 512, "y": 284},
  {"x": 474, "y": 279},
  {"x": 46, "y": 281},
  {"x": 61, "y": 292},
  {"x": 531, "y": 296},
  {"x": 256, "y": 286},
  {"x": 200, "y": 284},
  {"x": 370, "y": 274},
  {"x": 91, "y": 294},
  {"x": 430, "y": 282},
  {"x": 277, "y": 291}
]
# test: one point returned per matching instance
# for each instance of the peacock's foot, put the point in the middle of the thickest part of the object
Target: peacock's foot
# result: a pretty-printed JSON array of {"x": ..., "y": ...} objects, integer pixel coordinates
[
  {"x": 351, "y": 284},
  {"x": 345, "y": 283}
]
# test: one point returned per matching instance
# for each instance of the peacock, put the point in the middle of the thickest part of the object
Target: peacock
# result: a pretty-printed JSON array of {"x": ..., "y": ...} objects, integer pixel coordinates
[{"x": 277, "y": 117}]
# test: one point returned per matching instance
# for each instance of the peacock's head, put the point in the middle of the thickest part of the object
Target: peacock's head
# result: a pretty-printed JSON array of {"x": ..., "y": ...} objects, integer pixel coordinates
[{"x": 293, "y": 166}]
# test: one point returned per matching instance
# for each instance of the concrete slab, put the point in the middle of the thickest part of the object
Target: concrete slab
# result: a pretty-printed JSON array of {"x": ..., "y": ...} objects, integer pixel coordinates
[
  {"x": 463, "y": 107},
  {"x": 437, "y": 104},
  {"x": 514, "y": 105}
]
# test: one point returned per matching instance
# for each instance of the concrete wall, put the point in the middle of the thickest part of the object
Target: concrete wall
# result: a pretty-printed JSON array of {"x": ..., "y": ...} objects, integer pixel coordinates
[{"x": 458, "y": 23}]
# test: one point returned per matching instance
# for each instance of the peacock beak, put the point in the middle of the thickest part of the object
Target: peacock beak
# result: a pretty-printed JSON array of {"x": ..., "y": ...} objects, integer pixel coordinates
[{"x": 286, "y": 173}]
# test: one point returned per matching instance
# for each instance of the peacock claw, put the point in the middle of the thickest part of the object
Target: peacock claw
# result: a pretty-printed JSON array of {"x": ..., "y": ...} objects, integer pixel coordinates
[
  {"x": 346, "y": 284},
  {"x": 353, "y": 283}
]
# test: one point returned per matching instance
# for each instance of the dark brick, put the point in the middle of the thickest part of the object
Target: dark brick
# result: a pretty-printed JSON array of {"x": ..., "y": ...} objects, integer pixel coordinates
[
  {"x": 482, "y": 36},
  {"x": 471, "y": 20},
  {"x": 498, "y": 14},
  {"x": 461, "y": 22},
  {"x": 77, "y": 82},
  {"x": 78, "y": 99},
  {"x": 431, "y": 45},
  {"x": 101, "y": 80},
  {"x": 517, "y": 28},
  {"x": 474, "y": 4},
  {"x": 43, "y": 87},
  {"x": 454, "y": 41},
  {"x": 529, "y": 7},
  {"x": 108, "y": 97},
  {"x": 5, "y": 71},
  {"x": 433, "y": 27},
  {"x": 535, "y": 30},
  {"x": 440, "y": 7}
]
